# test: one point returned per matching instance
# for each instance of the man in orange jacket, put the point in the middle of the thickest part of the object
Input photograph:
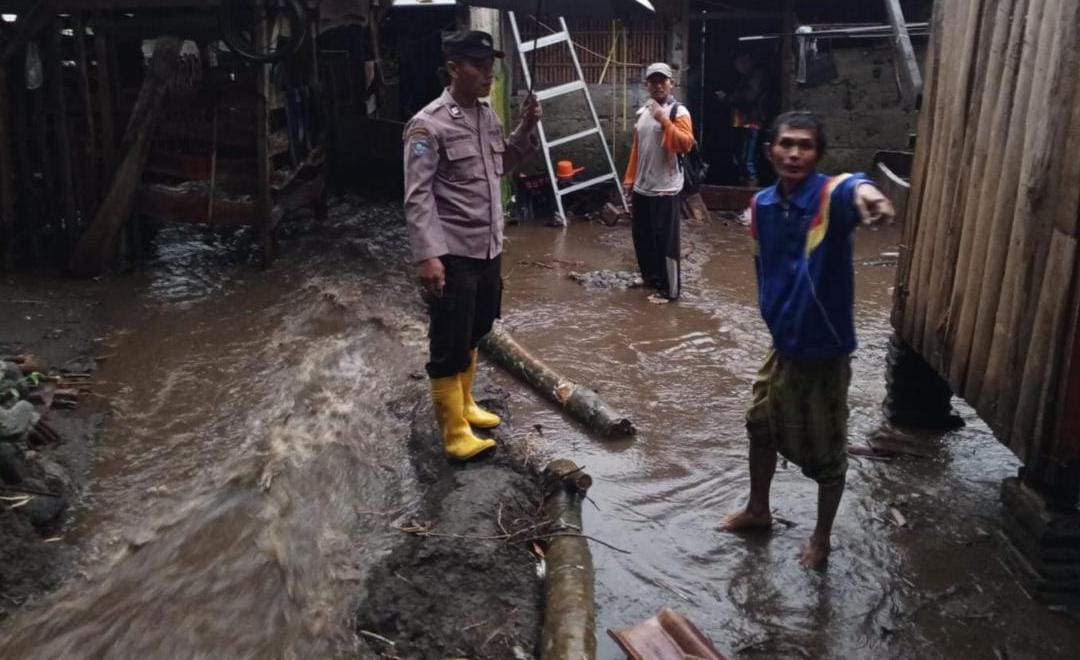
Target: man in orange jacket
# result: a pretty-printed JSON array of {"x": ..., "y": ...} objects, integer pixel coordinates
[{"x": 654, "y": 183}]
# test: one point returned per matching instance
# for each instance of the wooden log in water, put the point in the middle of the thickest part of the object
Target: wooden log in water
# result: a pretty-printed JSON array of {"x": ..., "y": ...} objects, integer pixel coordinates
[
  {"x": 569, "y": 631},
  {"x": 96, "y": 248},
  {"x": 578, "y": 401}
]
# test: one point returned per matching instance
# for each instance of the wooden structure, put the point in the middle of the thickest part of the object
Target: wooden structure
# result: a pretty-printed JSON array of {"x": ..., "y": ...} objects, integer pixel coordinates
[
  {"x": 144, "y": 114},
  {"x": 988, "y": 288}
]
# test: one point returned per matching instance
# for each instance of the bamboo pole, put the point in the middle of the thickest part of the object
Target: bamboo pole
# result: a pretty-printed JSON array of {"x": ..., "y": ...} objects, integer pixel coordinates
[
  {"x": 90, "y": 166},
  {"x": 977, "y": 230},
  {"x": 97, "y": 247},
  {"x": 54, "y": 77},
  {"x": 569, "y": 631},
  {"x": 1032, "y": 182},
  {"x": 966, "y": 104},
  {"x": 7, "y": 174},
  {"x": 999, "y": 225},
  {"x": 578, "y": 401},
  {"x": 105, "y": 104}
]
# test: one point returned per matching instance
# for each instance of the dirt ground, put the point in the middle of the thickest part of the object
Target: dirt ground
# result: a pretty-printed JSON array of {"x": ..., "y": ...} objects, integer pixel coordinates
[
  {"x": 56, "y": 322},
  {"x": 464, "y": 582}
]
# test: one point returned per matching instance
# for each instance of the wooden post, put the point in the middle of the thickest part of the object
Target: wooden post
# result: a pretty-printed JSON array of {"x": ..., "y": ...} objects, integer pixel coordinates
[
  {"x": 90, "y": 180},
  {"x": 7, "y": 173},
  {"x": 54, "y": 78},
  {"x": 787, "y": 56},
  {"x": 97, "y": 247},
  {"x": 264, "y": 223},
  {"x": 904, "y": 55},
  {"x": 105, "y": 102}
]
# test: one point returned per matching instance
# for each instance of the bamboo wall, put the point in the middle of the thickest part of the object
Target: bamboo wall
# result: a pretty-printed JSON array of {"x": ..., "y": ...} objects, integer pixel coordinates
[
  {"x": 604, "y": 48},
  {"x": 987, "y": 284}
]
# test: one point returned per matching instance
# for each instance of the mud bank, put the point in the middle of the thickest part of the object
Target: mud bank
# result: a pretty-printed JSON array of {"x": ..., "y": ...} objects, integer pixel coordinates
[
  {"x": 43, "y": 480},
  {"x": 464, "y": 581}
]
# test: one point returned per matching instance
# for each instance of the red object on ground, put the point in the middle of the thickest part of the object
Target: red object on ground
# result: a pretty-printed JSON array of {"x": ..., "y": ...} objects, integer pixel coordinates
[{"x": 666, "y": 636}]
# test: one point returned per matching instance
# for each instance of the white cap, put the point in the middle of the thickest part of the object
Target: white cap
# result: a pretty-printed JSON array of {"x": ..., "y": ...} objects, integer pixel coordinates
[{"x": 658, "y": 67}]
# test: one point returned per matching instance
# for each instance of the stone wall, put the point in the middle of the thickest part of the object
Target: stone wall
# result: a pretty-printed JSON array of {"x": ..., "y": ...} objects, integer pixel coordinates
[{"x": 863, "y": 110}]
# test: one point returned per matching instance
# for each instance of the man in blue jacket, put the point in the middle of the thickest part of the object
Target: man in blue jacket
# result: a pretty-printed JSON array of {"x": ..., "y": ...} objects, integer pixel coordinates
[{"x": 801, "y": 229}]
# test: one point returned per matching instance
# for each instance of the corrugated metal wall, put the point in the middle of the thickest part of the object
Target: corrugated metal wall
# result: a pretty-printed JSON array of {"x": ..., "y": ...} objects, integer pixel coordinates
[{"x": 987, "y": 278}]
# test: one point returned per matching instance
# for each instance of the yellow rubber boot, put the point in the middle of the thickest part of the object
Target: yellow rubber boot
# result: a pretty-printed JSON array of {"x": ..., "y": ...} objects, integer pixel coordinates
[
  {"x": 474, "y": 414},
  {"x": 458, "y": 440}
]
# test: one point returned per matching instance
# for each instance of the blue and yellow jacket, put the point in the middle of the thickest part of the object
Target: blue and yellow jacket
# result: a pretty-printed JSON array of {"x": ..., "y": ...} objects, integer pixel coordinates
[{"x": 803, "y": 256}]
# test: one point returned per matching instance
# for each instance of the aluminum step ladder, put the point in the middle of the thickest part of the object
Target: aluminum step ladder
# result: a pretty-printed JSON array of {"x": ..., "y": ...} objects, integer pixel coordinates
[{"x": 579, "y": 85}]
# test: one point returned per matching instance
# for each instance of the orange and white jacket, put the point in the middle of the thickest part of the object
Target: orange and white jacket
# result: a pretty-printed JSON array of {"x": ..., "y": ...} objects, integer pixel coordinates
[{"x": 653, "y": 169}]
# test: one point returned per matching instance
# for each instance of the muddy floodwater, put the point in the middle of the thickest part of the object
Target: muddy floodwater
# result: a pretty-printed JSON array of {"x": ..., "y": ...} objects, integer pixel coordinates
[{"x": 241, "y": 489}]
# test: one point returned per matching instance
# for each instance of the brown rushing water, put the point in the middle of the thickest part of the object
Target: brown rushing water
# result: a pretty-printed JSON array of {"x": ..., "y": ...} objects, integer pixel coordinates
[{"x": 241, "y": 490}]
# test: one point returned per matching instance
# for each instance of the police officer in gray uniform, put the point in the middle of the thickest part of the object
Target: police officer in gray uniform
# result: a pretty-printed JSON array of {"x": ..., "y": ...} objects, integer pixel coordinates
[{"x": 455, "y": 155}]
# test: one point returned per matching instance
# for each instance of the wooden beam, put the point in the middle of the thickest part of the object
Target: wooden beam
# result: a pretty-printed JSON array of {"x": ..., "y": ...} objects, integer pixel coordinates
[
  {"x": 97, "y": 247},
  {"x": 105, "y": 102},
  {"x": 264, "y": 222},
  {"x": 7, "y": 174},
  {"x": 787, "y": 57},
  {"x": 54, "y": 78},
  {"x": 90, "y": 180},
  {"x": 904, "y": 60}
]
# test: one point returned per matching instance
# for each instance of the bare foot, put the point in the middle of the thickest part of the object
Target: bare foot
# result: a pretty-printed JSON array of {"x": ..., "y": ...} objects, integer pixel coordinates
[
  {"x": 743, "y": 519},
  {"x": 815, "y": 554},
  {"x": 658, "y": 299}
]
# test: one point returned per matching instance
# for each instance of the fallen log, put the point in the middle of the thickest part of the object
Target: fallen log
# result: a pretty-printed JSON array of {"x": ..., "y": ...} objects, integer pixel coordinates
[
  {"x": 569, "y": 614},
  {"x": 579, "y": 401}
]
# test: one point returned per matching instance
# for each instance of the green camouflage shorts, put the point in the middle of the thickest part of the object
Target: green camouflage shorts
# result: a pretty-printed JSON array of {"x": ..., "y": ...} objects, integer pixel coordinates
[{"x": 801, "y": 410}]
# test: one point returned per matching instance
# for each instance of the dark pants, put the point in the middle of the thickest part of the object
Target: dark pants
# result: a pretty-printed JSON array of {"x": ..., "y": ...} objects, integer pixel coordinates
[
  {"x": 748, "y": 152},
  {"x": 468, "y": 307},
  {"x": 656, "y": 242}
]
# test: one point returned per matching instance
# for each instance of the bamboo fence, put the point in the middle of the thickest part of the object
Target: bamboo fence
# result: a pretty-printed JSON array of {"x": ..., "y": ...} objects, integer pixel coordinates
[{"x": 987, "y": 283}]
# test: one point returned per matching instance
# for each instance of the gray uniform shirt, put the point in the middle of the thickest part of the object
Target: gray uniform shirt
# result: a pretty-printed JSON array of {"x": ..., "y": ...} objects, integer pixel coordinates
[{"x": 454, "y": 158}]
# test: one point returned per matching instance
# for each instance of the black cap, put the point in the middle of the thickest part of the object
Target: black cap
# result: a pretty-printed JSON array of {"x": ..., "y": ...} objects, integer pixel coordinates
[{"x": 471, "y": 44}]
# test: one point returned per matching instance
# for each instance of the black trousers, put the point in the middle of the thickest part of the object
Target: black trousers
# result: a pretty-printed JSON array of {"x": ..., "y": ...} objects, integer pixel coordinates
[
  {"x": 656, "y": 242},
  {"x": 464, "y": 313}
]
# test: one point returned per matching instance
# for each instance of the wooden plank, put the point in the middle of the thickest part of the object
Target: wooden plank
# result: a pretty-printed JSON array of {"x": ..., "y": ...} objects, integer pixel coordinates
[
  {"x": 1060, "y": 173},
  {"x": 62, "y": 132},
  {"x": 170, "y": 204},
  {"x": 263, "y": 205},
  {"x": 787, "y": 56},
  {"x": 1043, "y": 336},
  {"x": 993, "y": 122},
  {"x": 945, "y": 126},
  {"x": 966, "y": 104},
  {"x": 105, "y": 102},
  {"x": 1000, "y": 223},
  {"x": 7, "y": 176},
  {"x": 997, "y": 400},
  {"x": 97, "y": 246},
  {"x": 920, "y": 181},
  {"x": 907, "y": 66},
  {"x": 92, "y": 174}
]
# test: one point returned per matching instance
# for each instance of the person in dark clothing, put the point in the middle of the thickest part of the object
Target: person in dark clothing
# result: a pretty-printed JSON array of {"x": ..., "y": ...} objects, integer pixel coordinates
[{"x": 747, "y": 104}]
